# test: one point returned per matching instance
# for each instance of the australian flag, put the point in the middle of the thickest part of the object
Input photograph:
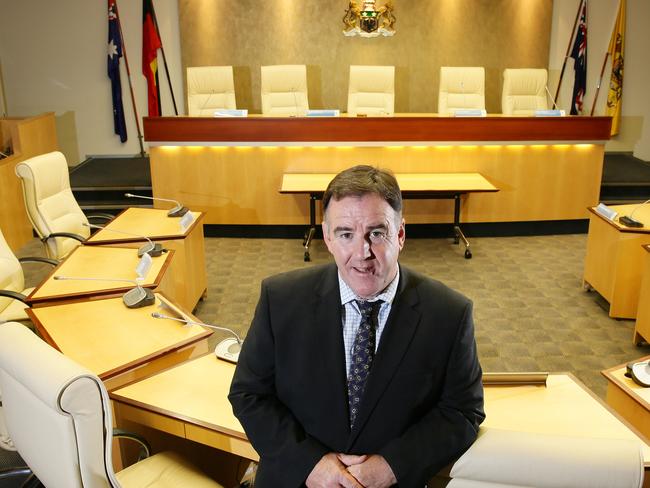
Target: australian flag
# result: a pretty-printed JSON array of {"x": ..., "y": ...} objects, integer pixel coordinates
[
  {"x": 114, "y": 55},
  {"x": 579, "y": 54}
]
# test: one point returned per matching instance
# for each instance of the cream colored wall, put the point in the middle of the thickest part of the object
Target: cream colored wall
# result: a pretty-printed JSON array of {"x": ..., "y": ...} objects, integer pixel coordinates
[
  {"x": 635, "y": 134},
  {"x": 53, "y": 57},
  {"x": 248, "y": 34}
]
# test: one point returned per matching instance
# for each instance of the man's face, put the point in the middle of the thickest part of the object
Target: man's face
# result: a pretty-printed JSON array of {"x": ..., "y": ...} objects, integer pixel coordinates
[{"x": 365, "y": 236}]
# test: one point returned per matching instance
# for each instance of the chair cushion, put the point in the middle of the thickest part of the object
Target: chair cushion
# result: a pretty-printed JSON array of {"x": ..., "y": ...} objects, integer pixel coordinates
[
  {"x": 164, "y": 470},
  {"x": 550, "y": 461}
]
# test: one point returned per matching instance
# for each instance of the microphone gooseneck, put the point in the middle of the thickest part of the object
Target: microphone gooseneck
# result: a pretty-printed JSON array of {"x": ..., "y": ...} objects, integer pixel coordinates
[
  {"x": 178, "y": 210},
  {"x": 151, "y": 248},
  {"x": 158, "y": 315}
]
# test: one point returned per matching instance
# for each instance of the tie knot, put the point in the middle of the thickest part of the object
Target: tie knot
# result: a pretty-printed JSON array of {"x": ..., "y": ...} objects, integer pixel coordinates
[{"x": 368, "y": 309}]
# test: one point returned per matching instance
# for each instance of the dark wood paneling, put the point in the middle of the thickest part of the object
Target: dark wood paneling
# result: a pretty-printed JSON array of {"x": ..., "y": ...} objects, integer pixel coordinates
[{"x": 375, "y": 129}]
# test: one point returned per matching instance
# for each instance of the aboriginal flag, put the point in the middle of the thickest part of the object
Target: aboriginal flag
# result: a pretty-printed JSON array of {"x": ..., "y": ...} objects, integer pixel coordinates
[{"x": 150, "y": 45}]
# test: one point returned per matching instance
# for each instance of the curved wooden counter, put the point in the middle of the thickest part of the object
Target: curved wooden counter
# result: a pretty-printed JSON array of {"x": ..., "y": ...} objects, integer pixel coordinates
[{"x": 547, "y": 168}]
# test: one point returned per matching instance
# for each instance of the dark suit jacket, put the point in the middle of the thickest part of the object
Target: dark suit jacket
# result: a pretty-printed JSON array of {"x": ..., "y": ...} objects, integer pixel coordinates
[{"x": 423, "y": 400}]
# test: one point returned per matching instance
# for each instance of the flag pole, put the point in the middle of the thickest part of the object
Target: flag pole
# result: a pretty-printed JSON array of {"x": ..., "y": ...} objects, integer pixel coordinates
[
  {"x": 600, "y": 79},
  {"x": 128, "y": 75},
  {"x": 568, "y": 50},
  {"x": 162, "y": 49}
]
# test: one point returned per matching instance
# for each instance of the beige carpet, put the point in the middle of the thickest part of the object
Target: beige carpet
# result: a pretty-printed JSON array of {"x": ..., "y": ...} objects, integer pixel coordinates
[{"x": 531, "y": 312}]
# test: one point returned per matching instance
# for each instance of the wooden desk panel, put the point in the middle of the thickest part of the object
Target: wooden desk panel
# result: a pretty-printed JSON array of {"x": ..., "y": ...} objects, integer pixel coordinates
[
  {"x": 630, "y": 400},
  {"x": 186, "y": 280},
  {"x": 118, "y": 344},
  {"x": 195, "y": 394},
  {"x": 615, "y": 259},
  {"x": 29, "y": 137},
  {"x": 642, "y": 325},
  {"x": 97, "y": 262}
]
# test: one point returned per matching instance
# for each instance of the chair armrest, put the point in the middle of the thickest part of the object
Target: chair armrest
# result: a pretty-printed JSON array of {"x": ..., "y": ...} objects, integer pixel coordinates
[
  {"x": 15, "y": 295},
  {"x": 145, "y": 448},
  {"x": 70, "y": 235},
  {"x": 38, "y": 259},
  {"x": 101, "y": 216},
  {"x": 15, "y": 472}
]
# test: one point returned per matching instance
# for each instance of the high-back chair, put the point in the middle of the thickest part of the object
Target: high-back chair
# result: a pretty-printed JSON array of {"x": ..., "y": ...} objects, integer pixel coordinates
[
  {"x": 524, "y": 91},
  {"x": 13, "y": 294},
  {"x": 284, "y": 89},
  {"x": 50, "y": 204},
  {"x": 371, "y": 90},
  {"x": 59, "y": 417},
  {"x": 209, "y": 88},
  {"x": 461, "y": 88}
]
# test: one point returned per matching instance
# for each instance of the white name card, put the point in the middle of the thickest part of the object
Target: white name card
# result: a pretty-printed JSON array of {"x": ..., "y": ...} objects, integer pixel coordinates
[
  {"x": 143, "y": 267},
  {"x": 186, "y": 220}
]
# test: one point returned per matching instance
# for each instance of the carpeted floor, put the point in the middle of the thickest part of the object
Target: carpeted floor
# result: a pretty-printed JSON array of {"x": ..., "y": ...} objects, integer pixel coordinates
[
  {"x": 530, "y": 309},
  {"x": 531, "y": 312}
]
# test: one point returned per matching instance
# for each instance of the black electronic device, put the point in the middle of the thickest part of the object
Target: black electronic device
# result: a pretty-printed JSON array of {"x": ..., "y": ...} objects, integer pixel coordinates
[{"x": 630, "y": 222}]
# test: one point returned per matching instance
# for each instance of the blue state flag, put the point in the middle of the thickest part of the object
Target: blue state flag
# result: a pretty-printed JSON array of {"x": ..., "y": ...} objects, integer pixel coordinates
[{"x": 114, "y": 55}]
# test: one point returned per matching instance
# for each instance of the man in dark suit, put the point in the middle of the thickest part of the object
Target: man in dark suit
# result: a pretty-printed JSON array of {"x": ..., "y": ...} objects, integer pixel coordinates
[{"x": 363, "y": 374}]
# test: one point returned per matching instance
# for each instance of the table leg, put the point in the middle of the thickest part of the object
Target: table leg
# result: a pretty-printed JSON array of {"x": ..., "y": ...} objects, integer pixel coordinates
[
  {"x": 309, "y": 235},
  {"x": 458, "y": 233}
]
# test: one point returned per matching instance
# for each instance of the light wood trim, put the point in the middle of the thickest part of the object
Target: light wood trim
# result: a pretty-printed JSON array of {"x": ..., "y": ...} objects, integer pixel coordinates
[
  {"x": 29, "y": 137},
  {"x": 406, "y": 127}
]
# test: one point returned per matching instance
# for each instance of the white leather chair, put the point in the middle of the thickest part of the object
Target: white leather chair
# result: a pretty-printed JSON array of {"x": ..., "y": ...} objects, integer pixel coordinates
[
  {"x": 50, "y": 204},
  {"x": 59, "y": 417},
  {"x": 284, "y": 89},
  {"x": 524, "y": 91},
  {"x": 461, "y": 88},
  {"x": 13, "y": 293},
  {"x": 371, "y": 90},
  {"x": 502, "y": 458},
  {"x": 209, "y": 88}
]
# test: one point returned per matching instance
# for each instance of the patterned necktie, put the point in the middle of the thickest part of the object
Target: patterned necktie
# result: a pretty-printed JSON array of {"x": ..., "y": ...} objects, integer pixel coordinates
[{"x": 363, "y": 352}]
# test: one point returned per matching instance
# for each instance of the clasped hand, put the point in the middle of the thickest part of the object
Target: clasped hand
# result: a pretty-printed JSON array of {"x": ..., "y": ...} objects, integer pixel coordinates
[{"x": 351, "y": 471}]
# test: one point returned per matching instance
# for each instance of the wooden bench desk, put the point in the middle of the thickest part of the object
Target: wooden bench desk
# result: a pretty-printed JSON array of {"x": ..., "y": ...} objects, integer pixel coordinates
[
  {"x": 190, "y": 401},
  {"x": 413, "y": 186},
  {"x": 187, "y": 282}
]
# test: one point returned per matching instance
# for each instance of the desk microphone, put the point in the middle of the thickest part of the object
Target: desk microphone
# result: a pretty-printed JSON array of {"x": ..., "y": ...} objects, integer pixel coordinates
[
  {"x": 551, "y": 97},
  {"x": 134, "y": 298},
  {"x": 178, "y": 211},
  {"x": 152, "y": 249},
  {"x": 630, "y": 221},
  {"x": 227, "y": 349}
]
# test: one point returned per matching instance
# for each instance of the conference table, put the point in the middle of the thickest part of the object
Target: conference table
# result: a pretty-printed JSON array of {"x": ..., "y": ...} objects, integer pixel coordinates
[
  {"x": 187, "y": 280},
  {"x": 98, "y": 267},
  {"x": 615, "y": 258},
  {"x": 190, "y": 401},
  {"x": 413, "y": 185},
  {"x": 119, "y": 344},
  {"x": 546, "y": 168}
]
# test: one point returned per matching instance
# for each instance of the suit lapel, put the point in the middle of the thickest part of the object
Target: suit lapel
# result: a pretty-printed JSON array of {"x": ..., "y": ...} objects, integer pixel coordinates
[
  {"x": 328, "y": 325},
  {"x": 397, "y": 335}
]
